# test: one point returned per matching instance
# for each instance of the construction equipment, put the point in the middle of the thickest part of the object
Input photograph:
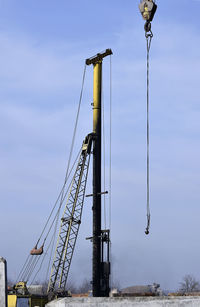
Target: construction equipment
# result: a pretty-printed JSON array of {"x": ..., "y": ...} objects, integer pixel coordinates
[
  {"x": 101, "y": 268},
  {"x": 71, "y": 218},
  {"x": 20, "y": 296},
  {"x": 70, "y": 224}
]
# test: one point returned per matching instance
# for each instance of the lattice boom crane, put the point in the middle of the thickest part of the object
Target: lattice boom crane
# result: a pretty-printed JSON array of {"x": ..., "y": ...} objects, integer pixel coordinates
[{"x": 70, "y": 222}]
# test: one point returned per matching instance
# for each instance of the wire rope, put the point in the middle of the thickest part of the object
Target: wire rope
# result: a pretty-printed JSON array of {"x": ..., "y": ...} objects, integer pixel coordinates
[
  {"x": 20, "y": 273},
  {"x": 70, "y": 154},
  {"x": 110, "y": 165},
  {"x": 34, "y": 263},
  {"x": 104, "y": 156},
  {"x": 25, "y": 271},
  {"x": 27, "y": 268},
  {"x": 76, "y": 122},
  {"x": 63, "y": 198},
  {"x": 53, "y": 244},
  {"x": 42, "y": 261},
  {"x": 110, "y": 147},
  {"x": 148, "y": 40},
  {"x": 31, "y": 268}
]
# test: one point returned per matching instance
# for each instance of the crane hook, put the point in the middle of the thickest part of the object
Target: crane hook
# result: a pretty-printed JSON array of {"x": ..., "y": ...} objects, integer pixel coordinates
[{"x": 147, "y": 9}]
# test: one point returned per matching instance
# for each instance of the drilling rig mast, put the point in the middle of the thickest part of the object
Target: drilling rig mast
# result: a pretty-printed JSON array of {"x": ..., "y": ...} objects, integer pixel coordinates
[
  {"x": 101, "y": 268},
  {"x": 71, "y": 219}
]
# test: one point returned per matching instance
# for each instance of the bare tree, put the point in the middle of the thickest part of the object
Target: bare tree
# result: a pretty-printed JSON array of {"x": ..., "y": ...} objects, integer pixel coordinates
[
  {"x": 84, "y": 287},
  {"x": 10, "y": 282},
  {"x": 189, "y": 284},
  {"x": 44, "y": 286},
  {"x": 71, "y": 286},
  {"x": 115, "y": 284}
]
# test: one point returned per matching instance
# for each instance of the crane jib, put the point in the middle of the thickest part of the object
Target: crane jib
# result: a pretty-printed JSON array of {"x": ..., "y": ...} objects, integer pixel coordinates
[{"x": 70, "y": 222}]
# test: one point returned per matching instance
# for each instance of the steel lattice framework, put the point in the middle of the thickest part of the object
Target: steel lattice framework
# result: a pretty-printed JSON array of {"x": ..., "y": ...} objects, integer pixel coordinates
[{"x": 70, "y": 222}]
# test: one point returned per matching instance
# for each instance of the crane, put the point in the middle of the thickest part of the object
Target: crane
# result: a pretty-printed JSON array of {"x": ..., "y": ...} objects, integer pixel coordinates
[
  {"x": 71, "y": 219},
  {"x": 70, "y": 223}
]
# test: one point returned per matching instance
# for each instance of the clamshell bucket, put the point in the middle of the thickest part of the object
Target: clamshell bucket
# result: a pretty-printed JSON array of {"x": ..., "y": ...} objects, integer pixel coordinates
[
  {"x": 37, "y": 251},
  {"x": 147, "y": 9}
]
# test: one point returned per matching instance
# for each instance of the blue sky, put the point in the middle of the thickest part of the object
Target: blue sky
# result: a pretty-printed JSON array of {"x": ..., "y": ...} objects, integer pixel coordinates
[{"x": 43, "y": 48}]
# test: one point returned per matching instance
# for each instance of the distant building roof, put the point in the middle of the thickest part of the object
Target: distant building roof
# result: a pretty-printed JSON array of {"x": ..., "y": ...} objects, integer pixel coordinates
[
  {"x": 137, "y": 289},
  {"x": 80, "y": 294},
  {"x": 142, "y": 290}
]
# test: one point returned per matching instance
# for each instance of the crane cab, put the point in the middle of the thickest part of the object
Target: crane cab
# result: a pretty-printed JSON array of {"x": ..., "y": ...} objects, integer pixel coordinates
[{"x": 21, "y": 296}]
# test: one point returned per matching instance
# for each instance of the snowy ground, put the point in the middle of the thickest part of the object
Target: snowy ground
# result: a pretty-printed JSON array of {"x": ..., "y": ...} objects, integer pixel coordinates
[{"x": 120, "y": 302}]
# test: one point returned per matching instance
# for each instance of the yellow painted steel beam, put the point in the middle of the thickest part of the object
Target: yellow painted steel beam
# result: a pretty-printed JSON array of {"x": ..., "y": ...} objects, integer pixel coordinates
[
  {"x": 12, "y": 300},
  {"x": 98, "y": 57},
  {"x": 97, "y": 96}
]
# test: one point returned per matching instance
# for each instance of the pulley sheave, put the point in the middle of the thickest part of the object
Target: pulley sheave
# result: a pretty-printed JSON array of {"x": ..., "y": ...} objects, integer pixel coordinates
[{"x": 147, "y": 9}]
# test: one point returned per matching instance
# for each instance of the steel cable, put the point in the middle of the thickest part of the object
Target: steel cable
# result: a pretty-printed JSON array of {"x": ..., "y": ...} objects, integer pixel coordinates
[
  {"x": 63, "y": 197},
  {"x": 148, "y": 40},
  {"x": 42, "y": 260},
  {"x": 27, "y": 268},
  {"x": 70, "y": 155},
  {"x": 110, "y": 167},
  {"x": 110, "y": 146},
  {"x": 31, "y": 268},
  {"x": 104, "y": 156},
  {"x": 53, "y": 244},
  {"x": 21, "y": 272}
]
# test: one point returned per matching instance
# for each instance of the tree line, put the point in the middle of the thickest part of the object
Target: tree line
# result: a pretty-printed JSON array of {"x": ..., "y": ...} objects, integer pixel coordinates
[{"x": 189, "y": 284}]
